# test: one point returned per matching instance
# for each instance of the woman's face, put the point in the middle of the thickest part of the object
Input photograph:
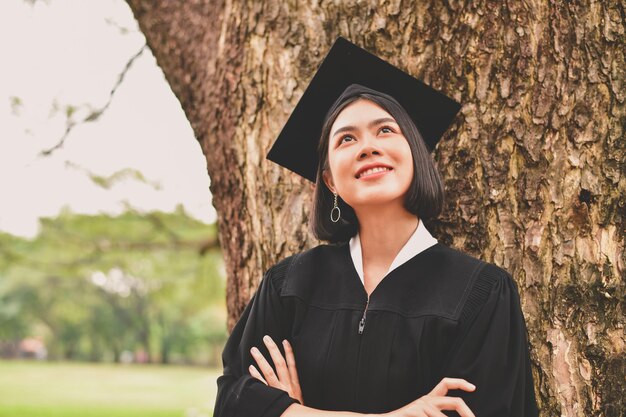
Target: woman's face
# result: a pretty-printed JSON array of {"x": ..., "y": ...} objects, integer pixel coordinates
[{"x": 364, "y": 136}]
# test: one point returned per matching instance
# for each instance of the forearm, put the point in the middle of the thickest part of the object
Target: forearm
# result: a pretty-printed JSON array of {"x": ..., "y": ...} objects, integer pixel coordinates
[{"x": 298, "y": 410}]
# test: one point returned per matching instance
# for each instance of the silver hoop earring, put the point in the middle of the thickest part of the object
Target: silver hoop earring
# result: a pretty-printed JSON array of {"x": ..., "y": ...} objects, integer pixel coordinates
[{"x": 335, "y": 207}]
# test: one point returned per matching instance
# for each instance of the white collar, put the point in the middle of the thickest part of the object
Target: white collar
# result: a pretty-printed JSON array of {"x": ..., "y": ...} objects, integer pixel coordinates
[{"x": 420, "y": 240}]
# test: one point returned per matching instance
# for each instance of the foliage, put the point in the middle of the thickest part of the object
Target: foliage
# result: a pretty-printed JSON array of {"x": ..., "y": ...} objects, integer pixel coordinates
[{"x": 96, "y": 286}]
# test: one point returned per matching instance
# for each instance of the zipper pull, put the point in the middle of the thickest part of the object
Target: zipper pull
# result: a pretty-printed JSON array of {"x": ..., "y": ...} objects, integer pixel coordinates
[{"x": 362, "y": 322}]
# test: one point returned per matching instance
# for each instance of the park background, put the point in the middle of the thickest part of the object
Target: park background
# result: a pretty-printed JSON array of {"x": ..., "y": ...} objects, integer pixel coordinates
[
  {"x": 138, "y": 211},
  {"x": 112, "y": 282}
]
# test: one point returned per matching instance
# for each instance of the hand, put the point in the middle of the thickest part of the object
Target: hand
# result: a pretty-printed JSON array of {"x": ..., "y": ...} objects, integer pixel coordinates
[
  {"x": 430, "y": 404},
  {"x": 287, "y": 379}
]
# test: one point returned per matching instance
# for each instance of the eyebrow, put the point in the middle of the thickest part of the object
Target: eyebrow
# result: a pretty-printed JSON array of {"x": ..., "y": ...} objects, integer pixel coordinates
[{"x": 372, "y": 123}]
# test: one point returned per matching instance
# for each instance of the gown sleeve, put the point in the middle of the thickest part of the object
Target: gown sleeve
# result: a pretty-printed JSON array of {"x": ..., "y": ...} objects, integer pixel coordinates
[
  {"x": 238, "y": 393},
  {"x": 492, "y": 351}
]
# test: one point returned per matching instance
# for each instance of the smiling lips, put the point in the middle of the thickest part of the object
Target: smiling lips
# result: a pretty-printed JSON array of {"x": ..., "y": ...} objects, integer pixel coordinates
[{"x": 376, "y": 171}]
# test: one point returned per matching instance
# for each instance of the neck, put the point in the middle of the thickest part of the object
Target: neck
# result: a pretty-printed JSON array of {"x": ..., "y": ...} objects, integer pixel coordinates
[{"x": 384, "y": 230}]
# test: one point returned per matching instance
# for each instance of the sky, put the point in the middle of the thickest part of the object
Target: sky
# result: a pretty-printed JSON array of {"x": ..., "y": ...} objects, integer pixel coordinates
[{"x": 58, "y": 53}]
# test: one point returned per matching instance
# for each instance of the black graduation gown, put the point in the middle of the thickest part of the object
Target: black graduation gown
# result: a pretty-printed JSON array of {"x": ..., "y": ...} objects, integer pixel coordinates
[{"x": 441, "y": 314}]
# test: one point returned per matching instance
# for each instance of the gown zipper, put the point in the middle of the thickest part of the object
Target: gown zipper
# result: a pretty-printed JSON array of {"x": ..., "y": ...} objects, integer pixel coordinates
[
  {"x": 362, "y": 322},
  {"x": 358, "y": 354}
]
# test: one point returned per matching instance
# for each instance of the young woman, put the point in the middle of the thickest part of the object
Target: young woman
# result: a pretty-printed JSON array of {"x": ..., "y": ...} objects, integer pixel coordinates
[{"x": 384, "y": 320}]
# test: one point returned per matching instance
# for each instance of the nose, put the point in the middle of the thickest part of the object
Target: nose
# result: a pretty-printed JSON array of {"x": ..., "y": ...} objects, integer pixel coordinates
[{"x": 368, "y": 146}]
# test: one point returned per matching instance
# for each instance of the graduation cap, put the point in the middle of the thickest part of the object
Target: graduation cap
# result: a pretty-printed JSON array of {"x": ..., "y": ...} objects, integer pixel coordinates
[{"x": 344, "y": 65}]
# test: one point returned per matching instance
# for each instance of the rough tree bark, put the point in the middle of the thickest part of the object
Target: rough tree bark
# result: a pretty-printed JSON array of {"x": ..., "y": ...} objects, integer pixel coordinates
[{"x": 534, "y": 166}]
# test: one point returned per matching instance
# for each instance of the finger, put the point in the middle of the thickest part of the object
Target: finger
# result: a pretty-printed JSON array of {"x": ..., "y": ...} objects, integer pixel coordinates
[
  {"x": 451, "y": 383},
  {"x": 265, "y": 367},
  {"x": 255, "y": 373},
  {"x": 452, "y": 403},
  {"x": 291, "y": 365},
  {"x": 293, "y": 371},
  {"x": 431, "y": 411},
  {"x": 277, "y": 357}
]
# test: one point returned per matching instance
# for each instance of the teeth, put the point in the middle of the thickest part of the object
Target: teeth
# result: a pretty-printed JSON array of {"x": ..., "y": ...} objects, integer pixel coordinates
[{"x": 372, "y": 171}]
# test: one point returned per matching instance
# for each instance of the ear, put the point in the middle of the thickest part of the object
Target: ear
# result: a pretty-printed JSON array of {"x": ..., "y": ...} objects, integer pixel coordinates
[{"x": 328, "y": 180}]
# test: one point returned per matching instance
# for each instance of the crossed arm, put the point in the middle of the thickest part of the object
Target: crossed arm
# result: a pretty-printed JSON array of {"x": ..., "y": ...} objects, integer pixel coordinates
[{"x": 287, "y": 380}]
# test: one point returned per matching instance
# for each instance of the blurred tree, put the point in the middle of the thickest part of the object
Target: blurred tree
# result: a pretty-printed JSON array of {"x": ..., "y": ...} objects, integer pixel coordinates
[
  {"x": 534, "y": 168},
  {"x": 99, "y": 285}
]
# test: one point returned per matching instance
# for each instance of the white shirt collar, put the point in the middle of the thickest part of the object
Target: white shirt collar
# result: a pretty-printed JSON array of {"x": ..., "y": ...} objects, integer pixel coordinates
[{"x": 420, "y": 240}]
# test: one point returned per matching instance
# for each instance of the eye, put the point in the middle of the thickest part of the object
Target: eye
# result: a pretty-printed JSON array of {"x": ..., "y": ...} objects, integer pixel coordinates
[
  {"x": 343, "y": 137},
  {"x": 388, "y": 128}
]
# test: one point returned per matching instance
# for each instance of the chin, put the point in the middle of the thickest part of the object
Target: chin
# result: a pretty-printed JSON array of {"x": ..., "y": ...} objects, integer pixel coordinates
[{"x": 376, "y": 199}]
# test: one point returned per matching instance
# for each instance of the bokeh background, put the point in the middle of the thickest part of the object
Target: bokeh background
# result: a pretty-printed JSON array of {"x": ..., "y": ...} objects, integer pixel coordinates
[{"x": 111, "y": 277}]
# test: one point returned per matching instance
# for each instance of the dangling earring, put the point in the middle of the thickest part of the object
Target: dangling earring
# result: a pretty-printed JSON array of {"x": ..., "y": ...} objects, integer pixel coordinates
[{"x": 335, "y": 207}]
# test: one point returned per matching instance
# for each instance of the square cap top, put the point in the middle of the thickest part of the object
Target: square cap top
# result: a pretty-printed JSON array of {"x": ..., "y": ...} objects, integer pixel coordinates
[{"x": 344, "y": 65}]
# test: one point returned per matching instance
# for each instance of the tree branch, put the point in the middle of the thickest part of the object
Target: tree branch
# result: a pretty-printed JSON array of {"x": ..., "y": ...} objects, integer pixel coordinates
[{"x": 95, "y": 114}]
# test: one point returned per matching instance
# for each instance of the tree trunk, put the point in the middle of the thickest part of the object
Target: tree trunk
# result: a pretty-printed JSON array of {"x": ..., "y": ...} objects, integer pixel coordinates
[{"x": 533, "y": 167}]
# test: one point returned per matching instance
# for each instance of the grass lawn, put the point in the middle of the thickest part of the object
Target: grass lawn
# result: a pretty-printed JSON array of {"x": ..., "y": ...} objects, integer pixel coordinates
[{"x": 62, "y": 389}]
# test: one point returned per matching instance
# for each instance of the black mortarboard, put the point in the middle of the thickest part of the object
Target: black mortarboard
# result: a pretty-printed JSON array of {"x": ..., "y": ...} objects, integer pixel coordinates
[{"x": 344, "y": 65}]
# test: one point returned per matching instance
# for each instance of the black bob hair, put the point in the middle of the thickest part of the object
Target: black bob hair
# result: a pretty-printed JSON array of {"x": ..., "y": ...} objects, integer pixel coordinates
[{"x": 425, "y": 196}]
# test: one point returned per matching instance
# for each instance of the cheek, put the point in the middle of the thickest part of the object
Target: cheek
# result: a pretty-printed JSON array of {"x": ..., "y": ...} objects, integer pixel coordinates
[
  {"x": 339, "y": 165},
  {"x": 410, "y": 168},
  {"x": 408, "y": 161}
]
